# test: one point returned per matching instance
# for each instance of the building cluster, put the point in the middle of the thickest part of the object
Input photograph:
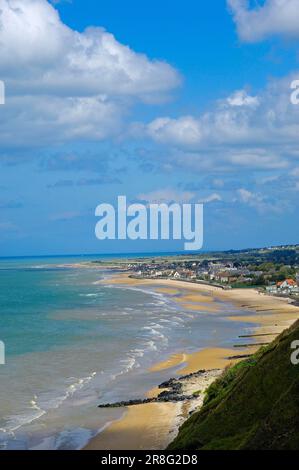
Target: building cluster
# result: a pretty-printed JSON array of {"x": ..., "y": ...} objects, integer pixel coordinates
[
  {"x": 222, "y": 272},
  {"x": 286, "y": 287},
  {"x": 217, "y": 272}
]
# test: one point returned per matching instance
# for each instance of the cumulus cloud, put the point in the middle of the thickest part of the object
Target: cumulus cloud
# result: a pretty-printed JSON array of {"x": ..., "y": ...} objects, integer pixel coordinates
[
  {"x": 51, "y": 57},
  {"x": 257, "y": 158},
  {"x": 36, "y": 121},
  {"x": 247, "y": 196},
  {"x": 211, "y": 198},
  {"x": 68, "y": 83},
  {"x": 294, "y": 178},
  {"x": 259, "y": 201},
  {"x": 167, "y": 196},
  {"x": 184, "y": 130},
  {"x": 229, "y": 121},
  {"x": 106, "y": 179},
  {"x": 241, "y": 98},
  {"x": 274, "y": 17},
  {"x": 259, "y": 131},
  {"x": 65, "y": 216}
]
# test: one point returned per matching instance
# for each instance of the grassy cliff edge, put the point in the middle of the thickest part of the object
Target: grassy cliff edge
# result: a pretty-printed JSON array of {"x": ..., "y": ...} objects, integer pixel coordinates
[{"x": 253, "y": 405}]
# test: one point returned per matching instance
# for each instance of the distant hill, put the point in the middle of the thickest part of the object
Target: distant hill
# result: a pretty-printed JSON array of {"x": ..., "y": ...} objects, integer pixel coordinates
[{"x": 254, "y": 405}]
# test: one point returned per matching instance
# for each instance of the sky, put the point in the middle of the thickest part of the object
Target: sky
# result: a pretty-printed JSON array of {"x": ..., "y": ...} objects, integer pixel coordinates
[{"x": 161, "y": 101}]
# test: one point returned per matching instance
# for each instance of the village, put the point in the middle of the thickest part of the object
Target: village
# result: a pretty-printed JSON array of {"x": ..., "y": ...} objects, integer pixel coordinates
[{"x": 274, "y": 270}]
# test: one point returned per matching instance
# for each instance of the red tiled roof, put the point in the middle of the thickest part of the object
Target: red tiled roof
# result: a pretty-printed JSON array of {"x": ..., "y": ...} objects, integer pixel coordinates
[{"x": 290, "y": 282}]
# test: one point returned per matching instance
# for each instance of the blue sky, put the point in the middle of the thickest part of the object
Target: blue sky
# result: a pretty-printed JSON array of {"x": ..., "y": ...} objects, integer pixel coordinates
[{"x": 184, "y": 101}]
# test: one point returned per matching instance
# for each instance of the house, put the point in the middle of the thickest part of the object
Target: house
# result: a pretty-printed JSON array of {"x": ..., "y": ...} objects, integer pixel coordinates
[
  {"x": 189, "y": 274},
  {"x": 286, "y": 285},
  {"x": 225, "y": 277},
  {"x": 177, "y": 275},
  {"x": 271, "y": 289},
  {"x": 158, "y": 273}
]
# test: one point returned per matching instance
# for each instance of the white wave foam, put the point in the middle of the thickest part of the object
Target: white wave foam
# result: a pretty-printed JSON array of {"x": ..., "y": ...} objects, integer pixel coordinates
[
  {"x": 89, "y": 295},
  {"x": 15, "y": 422},
  {"x": 138, "y": 352},
  {"x": 171, "y": 322},
  {"x": 152, "y": 346},
  {"x": 130, "y": 363},
  {"x": 155, "y": 333}
]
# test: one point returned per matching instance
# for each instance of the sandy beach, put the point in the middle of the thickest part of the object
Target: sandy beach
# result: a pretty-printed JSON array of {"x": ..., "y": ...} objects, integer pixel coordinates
[{"x": 154, "y": 425}]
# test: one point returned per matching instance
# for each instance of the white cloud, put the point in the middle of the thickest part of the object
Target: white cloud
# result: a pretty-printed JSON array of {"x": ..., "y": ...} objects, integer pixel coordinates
[
  {"x": 80, "y": 82},
  {"x": 257, "y": 158},
  {"x": 40, "y": 53},
  {"x": 167, "y": 196},
  {"x": 247, "y": 196},
  {"x": 65, "y": 216},
  {"x": 259, "y": 131},
  {"x": 184, "y": 130},
  {"x": 294, "y": 174},
  {"x": 170, "y": 195},
  {"x": 229, "y": 121},
  {"x": 39, "y": 121},
  {"x": 274, "y": 17},
  {"x": 211, "y": 198},
  {"x": 241, "y": 98},
  {"x": 258, "y": 201}
]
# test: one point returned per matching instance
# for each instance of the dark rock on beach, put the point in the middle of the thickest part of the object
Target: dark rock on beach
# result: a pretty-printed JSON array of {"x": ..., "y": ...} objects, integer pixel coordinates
[{"x": 172, "y": 392}]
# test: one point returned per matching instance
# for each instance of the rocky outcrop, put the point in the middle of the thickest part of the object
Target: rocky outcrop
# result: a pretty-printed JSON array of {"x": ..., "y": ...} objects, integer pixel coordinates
[{"x": 172, "y": 392}]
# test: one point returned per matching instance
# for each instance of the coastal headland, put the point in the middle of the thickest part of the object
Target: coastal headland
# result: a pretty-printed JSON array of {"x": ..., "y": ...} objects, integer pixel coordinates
[{"x": 153, "y": 425}]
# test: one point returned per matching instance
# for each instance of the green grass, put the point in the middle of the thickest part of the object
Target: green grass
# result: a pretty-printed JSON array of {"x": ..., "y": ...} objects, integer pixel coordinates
[{"x": 253, "y": 405}]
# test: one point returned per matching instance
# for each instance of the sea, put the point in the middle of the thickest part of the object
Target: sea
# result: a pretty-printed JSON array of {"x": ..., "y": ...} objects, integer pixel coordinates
[{"x": 73, "y": 340}]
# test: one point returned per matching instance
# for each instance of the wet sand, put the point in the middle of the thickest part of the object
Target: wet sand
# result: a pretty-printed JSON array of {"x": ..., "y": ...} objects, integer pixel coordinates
[
  {"x": 154, "y": 425},
  {"x": 145, "y": 426}
]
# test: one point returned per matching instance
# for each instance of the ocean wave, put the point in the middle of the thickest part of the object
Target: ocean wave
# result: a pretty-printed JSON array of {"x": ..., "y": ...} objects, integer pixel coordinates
[
  {"x": 138, "y": 352},
  {"x": 157, "y": 325},
  {"x": 36, "y": 411},
  {"x": 130, "y": 363},
  {"x": 155, "y": 333},
  {"x": 89, "y": 295},
  {"x": 152, "y": 346},
  {"x": 171, "y": 322},
  {"x": 178, "y": 319},
  {"x": 73, "y": 388},
  {"x": 148, "y": 292},
  {"x": 15, "y": 422}
]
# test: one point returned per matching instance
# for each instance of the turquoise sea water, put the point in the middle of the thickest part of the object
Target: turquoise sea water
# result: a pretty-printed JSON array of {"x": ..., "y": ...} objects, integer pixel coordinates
[{"x": 72, "y": 343}]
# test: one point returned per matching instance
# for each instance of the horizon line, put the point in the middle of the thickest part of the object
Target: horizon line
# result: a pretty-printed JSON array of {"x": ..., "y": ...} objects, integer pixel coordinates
[{"x": 149, "y": 253}]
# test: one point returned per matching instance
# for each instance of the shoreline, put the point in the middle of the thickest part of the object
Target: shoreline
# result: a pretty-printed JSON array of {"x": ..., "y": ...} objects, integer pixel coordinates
[{"x": 154, "y": 425}]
